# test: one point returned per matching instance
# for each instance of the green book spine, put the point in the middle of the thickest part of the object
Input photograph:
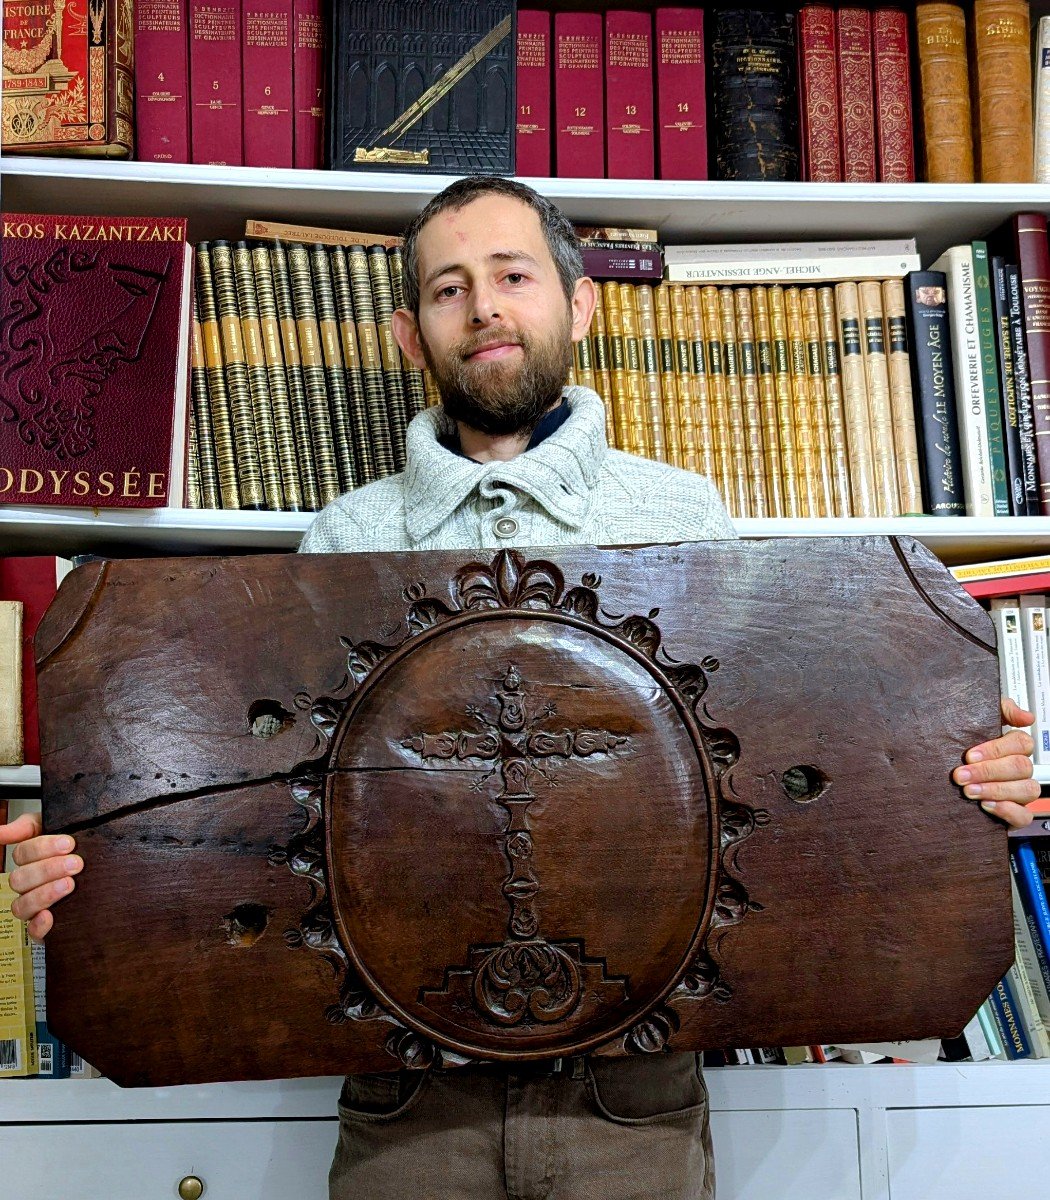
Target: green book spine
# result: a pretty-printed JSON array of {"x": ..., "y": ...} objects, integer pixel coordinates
[
  {"x": 314, "y": 378},
  {"x": 993, "y": 407},
  {"x": 364, "y": 463},
  {"x": 335, "y": 369},
  {"x": 371, "y": 363},
  {"x": 271, "y": 264},
  {"x": 292, "y": 473},
  {"x": 389, "y": 351},
  {"x": 200, "y": 423},
  {"x": 217, "y": 285},
  {"x": 214, "y": 369},
  {"x": 415, "y": 390},
  {"x": 259, "y": 384}
]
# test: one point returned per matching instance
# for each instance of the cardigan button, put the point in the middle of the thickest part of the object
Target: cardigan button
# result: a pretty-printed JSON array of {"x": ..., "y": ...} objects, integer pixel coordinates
[{"x": 505, "y": 527}]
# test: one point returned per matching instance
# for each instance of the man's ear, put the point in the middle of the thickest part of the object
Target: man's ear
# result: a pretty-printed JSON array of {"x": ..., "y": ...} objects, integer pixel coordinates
[
  {"x": 406, "y": 331},
  {"x": 584, "y": 298}
]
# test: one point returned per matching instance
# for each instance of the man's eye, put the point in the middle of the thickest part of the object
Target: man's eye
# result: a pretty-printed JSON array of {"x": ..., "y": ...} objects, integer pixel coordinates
[
  {"x": 449, "y": 290},
  {"x": 515, "y": 277}
]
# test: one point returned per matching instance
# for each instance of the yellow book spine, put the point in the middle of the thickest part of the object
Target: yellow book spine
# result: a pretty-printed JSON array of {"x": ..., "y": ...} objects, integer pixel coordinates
[
  {"x": 855, "y": 401},
  {"x": 789, "y": 461},
  {"x": 652, "y": 392},
  {"x": 717, "y": 391},
  {"x": 740, "y": 484},
  {"x": 880, "y": 414},
  {"x": 902, "y": 403},
  {"x": 599, "y": 339},
  {"x": 683, "y": 373},
  {"x": 767, "y": 393},
  {"x": 632, "y": 353},
  {"x": 692, "y": 318},
  {"x": 811, "y": 333},
  {"x": 842, "y": 505},
  {"x": 808, "y": 468},
  {"x": 17, "y": 1014},
  {"x": 749, "y": 391},
  {"x": 584, "y": 363},
  {"x": 618, "y": 367},
  {"x": 672, "y": 384}
]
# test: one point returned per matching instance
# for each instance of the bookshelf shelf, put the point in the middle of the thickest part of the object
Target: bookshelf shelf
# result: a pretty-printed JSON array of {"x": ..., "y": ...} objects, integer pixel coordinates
[{"x": 20, "y": 777}]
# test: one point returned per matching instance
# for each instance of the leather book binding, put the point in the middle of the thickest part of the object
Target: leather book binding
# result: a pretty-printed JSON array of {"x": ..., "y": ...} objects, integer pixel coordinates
[
  {"x": 533, "y": 123},
  {"x": 944, "y": 84},
  {"x": 819, "y": 94},
  {"x": 267, "y": 97},
  {"x": 856, "y": 94},
  {"x": 370, "y": 811},
  {"x": 630, "y": 147},
  {"x": 162, "y": 81},
  {"x": 579, "y": 95},
  {"x": 894, "y": 137},
  {"x": 1003, "y": 91},
  {"x": 308, "y": 82},
  {"x": 681, "y": 93},
  {"x": 216, "y": 116}
]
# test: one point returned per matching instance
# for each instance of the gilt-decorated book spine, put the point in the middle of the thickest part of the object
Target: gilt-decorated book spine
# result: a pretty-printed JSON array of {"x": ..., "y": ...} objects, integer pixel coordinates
[
  {"x": 767, "y": 392},
  {"x": 415, "y": 394},
  {"x": 989, "y": 359},
  {"x": 675, "y": 409},
  {"x": 789, "y": 461},
  {"x": 384, "y": 450},
  {"x": 579, "y": 95},
  {"x": 681, "y": 93},
  {"x": 640, "y": 430},
  {"x": 1015, "y": 485},
  {"x": 630, "y": 145},
  {"x": 902, "y": 402},
  {"x": 257, "y": 471},
  {"x": 390, "y": 355},
  {"x": 673, "y": 295},
  {"x": 815, "y": 369},
  {"x": 357, "y": 408},
  {"x": 856, "y": 94},
  {"x": 740, "y": 478},
  {"x": 618, "y": 367},
  {"x": 880, "y": 414},
  {"x": 1023, "y": 389},
  {"x": 68, "y": 83},
  {"x": 193, "y": 477},
  {"x": 754, "y": 104},
  {"x": 855, "y": 401},
  {"x": 583, "y": 364},
  {"x": 162, "y": 82},
  {"x": 335, "y": 373},
  {"x": 216, "y": 124},
  {"x": 599, "y": 339},
  {"x": 293, "y": 438},
  {"x": 215, "y": 368},
  {"x": 266, "y": 431},
  {"x": 657, "y": 437},
  {"x": 894, "y": 130},
  {"x": 944, "y": 85},
  {"x": 308, "y": 82},
  {"x": 315, "y": 382},
  {"x": 1002, "y": 91},
  {"x": 809, "y": 465},
  {"x": 716, "y": 382},
  {"x": 754, "y": 448},
  {"x": 267, "y": 83},
  {"x": 703, "y": 417},
  {"x": 842, "y": 505},
  {"x": 533, "y": 121},
  {"x": 293, "y": 370},
  {"x": 818, "y": 83},
  {"x": 207, "y": 472}
]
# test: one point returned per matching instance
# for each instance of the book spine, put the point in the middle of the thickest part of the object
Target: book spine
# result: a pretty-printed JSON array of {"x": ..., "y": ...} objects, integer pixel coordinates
[
  {"x": 315, "y": 381},
  {"x": 816, "y": 270},
  {"x": 1035, "y": 908},
  {"x": 281, "y": 231},
  {"x": 1003, "y": 90},
  {"x": 774, "y": 255},
  {"x": 192, "y": 465},
  {"x": 740, "y": 485},
  {"x": 818, "y": 395},
  {"x": 415, "y": 396},
  {"x": 214, "y": 365},
  {"x": 1006, "y": 617},
  {"x": 357, "y": 411},
  {"x": 54, "y": 1054},
  {"x": 856, "y": 93},
  {"x": 658, "y": 437},
  {"x": 767, "y": 391},
  {"x": 583, "y": 364},
  {"x": 681, "y": 93},
  {"x": 266, "y": 93},
  {"x": 789, "y": 459},
  {"x": 803, "y": 416},
  {"x": 1015, "y": 484},
  {"x": 1037, "y": 671},
  {"x": 895, "y": 140},
  {"x": 902, "y": 402},
  {"x": 1031, "y": 954},
  {"x": 819, "y": 93},
  {"x": 712, "y": 324},
  {"x": 215, "y": 83},
  {"x": 1026, "y": 1010},
  {"x": 308, "y": 83},
  {"x": 385, "y": 450},
  {"x": 678, "y": 417},
  {"x": 617, "y": 366},
  {"x": 208, "y": 474},
  {"x": 993, "y": 409},
  {"x": 390, "y": 355},
  {"x": 754, "y": 450},
  {"x": 1022, "y": 389},
  {"x": 855, "y": 401},
  {"x": 702, "y": 417},
  {"x": 162, "y": 81},
  {"x": 944, "y": 85},
  {"x": 630, "y": 151},
  {"x": 990, "y": 1029},
  {"x": 829, "y": 357},
  {"x": 957, "y": 263},
  {"x": 1041, "y": 116},
  {"x": 533, "y": 83},
  {"x": 1033, "y": 252},
  {"x": 579, "y": 95},
  {"x": 334, "y": 368},
  {"x": 641, "y": 428},
  {"x": 599, "y": 339},
  {"x": 622, "y": 264},
  {"x": 1011, "y": 1032}
]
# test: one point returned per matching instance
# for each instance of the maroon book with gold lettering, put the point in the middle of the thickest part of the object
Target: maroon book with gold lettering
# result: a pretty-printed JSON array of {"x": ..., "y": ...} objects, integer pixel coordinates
[
  {"x": 533, "y": 123},
  {"x": 579, "y": 95},
  {"x": 856, "y": 94},
  {"x": 162, "y": 81},
  {"x": 895, "y": 146},
  {"x": 681, "y": 93},
  {"x": 630, "y": 151},
  {"x": 267, "y": 83},
  {"x": 94, "y": 326},
  {"x": 819, "y": 94}
]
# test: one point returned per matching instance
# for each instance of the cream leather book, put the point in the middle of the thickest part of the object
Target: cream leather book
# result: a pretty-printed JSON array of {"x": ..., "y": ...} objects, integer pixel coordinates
[{"x": 11, "y": 683}]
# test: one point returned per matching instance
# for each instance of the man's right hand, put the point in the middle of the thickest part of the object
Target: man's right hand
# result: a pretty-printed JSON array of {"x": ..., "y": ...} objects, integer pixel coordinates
[{"x": 43, "y": 873}]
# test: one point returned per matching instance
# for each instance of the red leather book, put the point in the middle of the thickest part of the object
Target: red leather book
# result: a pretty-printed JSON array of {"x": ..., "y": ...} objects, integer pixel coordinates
[
  {"x": 819, "y": 94},
  {"x": 856, "y": 94},
  {"x": 215, "y": 82},
  {"x": 162, "y": 81},
  {"x": 308, "y": 82},
  {"x": 34, "y": 581},
  {"x": 267, "y": 87},
  {"x": 94, "y": 331},
  {"x": 681, "y": 93},
  {"x": 579, "y": 95},
  {"x": 630, "y": 151},
  {"x": 895, "y": 139},
  {"x": 533, "y": 126}
]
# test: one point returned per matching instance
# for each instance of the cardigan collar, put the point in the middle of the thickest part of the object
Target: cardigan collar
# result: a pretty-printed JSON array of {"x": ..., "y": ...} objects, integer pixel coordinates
[{"x": 560, "y": 473}]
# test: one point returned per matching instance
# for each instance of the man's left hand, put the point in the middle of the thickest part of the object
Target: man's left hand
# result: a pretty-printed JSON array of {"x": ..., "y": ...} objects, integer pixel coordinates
[{"x": 999, "y": 772}]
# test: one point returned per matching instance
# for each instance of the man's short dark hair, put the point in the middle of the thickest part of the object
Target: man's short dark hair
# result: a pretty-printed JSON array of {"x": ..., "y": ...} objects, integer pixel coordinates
[{"x": 558, "y": 231}]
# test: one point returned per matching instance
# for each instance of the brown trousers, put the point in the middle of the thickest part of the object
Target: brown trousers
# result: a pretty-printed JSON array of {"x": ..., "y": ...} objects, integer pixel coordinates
[{"x": 577, "y": 1129}]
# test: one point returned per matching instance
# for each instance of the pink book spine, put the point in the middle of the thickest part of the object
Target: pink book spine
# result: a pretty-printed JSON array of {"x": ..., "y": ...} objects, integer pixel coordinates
[
  {"x": 533, "y": 125},
  {"x": 308, "y": 76},
  {"x": 215, "y": 82},
  {"x": 681, "y": 93},
  {"x": 267, "y": 87},
  {"x": 630, "y": 148},
  {"x": 162, "y": 81},
  {"x": 856, "y": 94},
  {"x": 579, "y": 95}
]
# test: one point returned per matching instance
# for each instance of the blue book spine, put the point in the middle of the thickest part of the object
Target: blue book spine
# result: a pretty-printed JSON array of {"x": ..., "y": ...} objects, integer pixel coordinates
[
  {"x": 1008, "y": 1021},
  {"x": 1036, "y": 907}
]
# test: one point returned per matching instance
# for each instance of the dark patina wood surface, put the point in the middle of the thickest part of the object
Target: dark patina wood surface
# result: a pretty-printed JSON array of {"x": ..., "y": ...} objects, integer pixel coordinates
[{"x": 351, "y": 812}]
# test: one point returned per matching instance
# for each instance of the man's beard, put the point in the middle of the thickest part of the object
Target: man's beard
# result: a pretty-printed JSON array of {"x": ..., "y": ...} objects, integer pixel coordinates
[{"x": 498, "y": 397}]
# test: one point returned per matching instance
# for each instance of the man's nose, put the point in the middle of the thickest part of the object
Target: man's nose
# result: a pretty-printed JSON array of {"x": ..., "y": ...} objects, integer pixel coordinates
[{"x": 485, "y": 306}]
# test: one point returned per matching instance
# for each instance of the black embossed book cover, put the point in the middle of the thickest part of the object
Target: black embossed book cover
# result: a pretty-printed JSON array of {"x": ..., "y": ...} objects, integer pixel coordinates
[{"x": 423, "y": 87}]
